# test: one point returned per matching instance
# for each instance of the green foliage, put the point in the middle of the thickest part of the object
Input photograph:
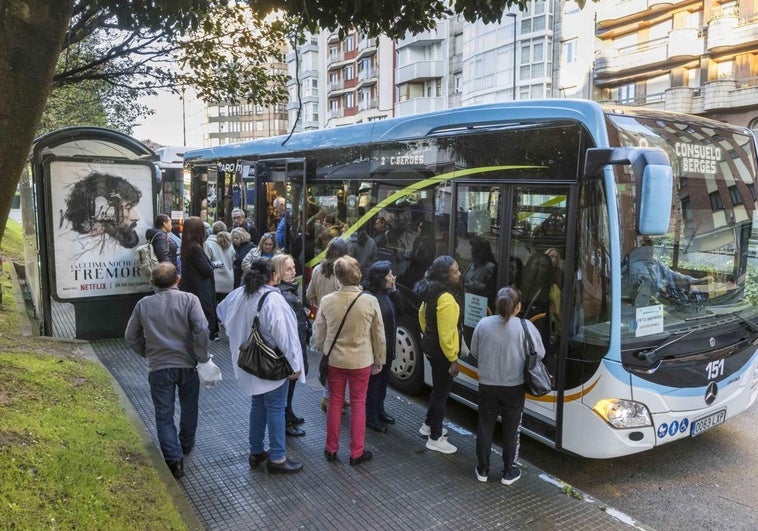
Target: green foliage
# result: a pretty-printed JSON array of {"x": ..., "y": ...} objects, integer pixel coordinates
[
  {"x": 751, "y": 284},
  {"x": 13, "y": 244},
  {"x": 69, "y": 457}
]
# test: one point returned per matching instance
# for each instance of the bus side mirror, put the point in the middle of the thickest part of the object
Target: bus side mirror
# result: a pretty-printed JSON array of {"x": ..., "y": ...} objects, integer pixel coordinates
[
  {"x": 654, "y": 178},
  {"x": 654, "y": 199}
]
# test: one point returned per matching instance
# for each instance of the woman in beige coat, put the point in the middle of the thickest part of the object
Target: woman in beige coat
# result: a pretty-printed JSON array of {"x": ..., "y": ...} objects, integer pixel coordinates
[{"x": 359, "y": 352}]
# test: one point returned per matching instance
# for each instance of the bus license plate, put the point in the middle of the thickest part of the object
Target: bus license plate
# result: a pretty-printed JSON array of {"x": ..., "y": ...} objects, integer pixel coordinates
[{"x": 706, "y": 423}]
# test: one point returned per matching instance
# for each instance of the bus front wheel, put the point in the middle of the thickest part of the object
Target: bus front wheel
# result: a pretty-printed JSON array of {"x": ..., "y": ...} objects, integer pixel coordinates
[{"x": 407, "y": 374}]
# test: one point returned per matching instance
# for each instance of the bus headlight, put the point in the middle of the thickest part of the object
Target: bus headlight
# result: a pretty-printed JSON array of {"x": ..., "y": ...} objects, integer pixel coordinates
[{"x": 623, "y": 413}]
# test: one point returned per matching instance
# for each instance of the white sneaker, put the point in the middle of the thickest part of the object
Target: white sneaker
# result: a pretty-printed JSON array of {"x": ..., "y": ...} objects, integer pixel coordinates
[
  {"x": 480, "y": 477},
  {"x": 441, "y": 445},
  {"x": 426, "y": 430},
  {"x": 511, "y": 476}
]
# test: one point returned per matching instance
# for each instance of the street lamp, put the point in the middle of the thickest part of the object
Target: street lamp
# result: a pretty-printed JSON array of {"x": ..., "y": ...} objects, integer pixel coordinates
[{"x": 513, "y": 16}]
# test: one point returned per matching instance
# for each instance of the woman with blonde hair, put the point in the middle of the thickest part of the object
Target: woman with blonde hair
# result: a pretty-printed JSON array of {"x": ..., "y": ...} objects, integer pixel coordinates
[
  {"x": 284, "y": 267},
  {"x": 220, "y": 252},
  {"x": 241, "y": 241},
  {"x": 355, "y": 353},
  {"x": 266, "y": 249}
]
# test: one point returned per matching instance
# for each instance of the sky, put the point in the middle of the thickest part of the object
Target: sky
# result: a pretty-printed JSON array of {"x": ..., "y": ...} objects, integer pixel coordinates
[{"x": 165, "y": 126}]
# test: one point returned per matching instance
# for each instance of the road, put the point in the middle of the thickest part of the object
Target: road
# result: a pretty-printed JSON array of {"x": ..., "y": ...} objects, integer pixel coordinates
[{"x": 708, "y": 482}]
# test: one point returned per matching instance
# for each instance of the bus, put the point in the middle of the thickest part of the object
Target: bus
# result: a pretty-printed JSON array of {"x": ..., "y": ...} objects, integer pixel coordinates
[{"x": 630, "y": 233}]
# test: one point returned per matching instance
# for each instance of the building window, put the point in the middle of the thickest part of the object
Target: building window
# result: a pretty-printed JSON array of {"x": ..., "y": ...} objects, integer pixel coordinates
[
  {"x": 348, "y": 72},
  {"x": 716, "y": 202},
  {"x": 734, "y": 193},
  {"x": 349, "y": 100},
  {"x": 626, "y": 94},
  {"x": 569, "y": 51},
  {"x": 349, "y": 44}
]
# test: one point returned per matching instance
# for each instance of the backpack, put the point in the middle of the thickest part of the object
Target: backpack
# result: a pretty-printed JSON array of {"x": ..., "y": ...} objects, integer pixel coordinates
[{"x": 145, "y": 258}]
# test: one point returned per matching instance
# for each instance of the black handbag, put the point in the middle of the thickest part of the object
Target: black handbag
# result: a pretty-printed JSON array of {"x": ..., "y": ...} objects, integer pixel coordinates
[
  {"x": 258, "y": 357},
  {"x": 537, "y": 380},
  {"x": 323, "y": 365}
]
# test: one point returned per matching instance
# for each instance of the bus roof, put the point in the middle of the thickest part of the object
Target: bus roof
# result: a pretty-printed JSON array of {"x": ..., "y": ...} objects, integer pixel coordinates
[{"x": 419, "y": 126}]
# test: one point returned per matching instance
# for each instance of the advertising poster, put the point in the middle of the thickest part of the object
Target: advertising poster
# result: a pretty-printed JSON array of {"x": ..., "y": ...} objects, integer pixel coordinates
[{"x": 99, "y": 214}]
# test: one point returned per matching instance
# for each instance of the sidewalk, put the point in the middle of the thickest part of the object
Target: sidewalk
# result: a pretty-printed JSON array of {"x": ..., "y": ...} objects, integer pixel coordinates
[{"x": 404, "y": 487}]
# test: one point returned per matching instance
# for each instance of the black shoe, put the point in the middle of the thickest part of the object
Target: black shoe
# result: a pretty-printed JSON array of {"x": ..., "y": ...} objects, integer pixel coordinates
[
  {"x": 186, "y": 450},
  {"x": 286, "y": 467},
  {"x": 386, "y": 418},
  {"x": 176, "y": 468},
  {"x": 293, "y": 431},
  {"x": 376, "y": 426},
  {"x": 365, "y": 456},
  {"x": 257, "y": 459},
  {"x": 330, "y": 456},
  {"x": 294, "y": 419}
]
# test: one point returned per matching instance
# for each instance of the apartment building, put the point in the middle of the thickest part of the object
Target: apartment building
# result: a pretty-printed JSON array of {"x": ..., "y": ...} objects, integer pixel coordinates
[
  {"x": 304, "y": 67},
  {"x": 697, "y": 57},
  {"x": 225, "y": 123}
]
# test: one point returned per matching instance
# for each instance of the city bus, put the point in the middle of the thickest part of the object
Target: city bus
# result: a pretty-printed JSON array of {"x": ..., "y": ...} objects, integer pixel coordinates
[{"x": 629, "y": 231}]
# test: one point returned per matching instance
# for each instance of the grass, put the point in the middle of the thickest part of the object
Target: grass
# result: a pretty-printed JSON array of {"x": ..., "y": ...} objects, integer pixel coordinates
[{"x": 69, "y": 456}]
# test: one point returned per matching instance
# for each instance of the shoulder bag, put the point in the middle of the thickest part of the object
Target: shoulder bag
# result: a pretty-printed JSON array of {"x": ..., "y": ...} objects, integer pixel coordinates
[
  {"x": 258, "y": 357},
  {"x": 323, "y": 365},
  {"x": 537, "y": 381}
]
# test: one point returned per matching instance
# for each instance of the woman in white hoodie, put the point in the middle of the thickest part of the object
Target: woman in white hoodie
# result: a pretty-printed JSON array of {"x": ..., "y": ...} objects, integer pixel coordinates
[{"x": 221, "y": 253}]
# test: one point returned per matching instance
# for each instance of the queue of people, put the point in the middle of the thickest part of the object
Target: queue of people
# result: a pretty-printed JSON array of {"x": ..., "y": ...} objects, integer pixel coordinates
[{"x": 357, "y": 331}]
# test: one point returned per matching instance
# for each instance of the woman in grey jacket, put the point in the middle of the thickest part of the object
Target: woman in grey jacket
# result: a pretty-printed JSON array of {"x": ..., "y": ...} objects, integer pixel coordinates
[{"x": 500, "y": 346}]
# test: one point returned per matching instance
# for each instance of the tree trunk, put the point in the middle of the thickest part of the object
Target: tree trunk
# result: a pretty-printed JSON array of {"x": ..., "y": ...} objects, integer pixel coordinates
[{"x": 31, "y": 33}]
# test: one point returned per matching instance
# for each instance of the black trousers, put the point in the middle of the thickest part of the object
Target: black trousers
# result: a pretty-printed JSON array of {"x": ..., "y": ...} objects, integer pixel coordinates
[
  {"x": 377, "y": 392},
  {"x": 442, "y": 382},
  {"x": 508, "y": 402}
]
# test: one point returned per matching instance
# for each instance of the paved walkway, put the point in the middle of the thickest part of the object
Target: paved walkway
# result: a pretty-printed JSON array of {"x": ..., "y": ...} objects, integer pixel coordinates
[{"x": 404, "y": 487}]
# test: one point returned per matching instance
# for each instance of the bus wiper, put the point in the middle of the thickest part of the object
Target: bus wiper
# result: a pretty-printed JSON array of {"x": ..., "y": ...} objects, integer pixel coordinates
[
  {"x": 753, "y": 327},
  {"x": 649, "y": 355}
]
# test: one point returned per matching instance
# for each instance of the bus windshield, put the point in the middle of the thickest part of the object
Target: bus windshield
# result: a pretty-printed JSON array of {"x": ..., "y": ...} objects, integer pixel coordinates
[{"x": 699, "y": 273}]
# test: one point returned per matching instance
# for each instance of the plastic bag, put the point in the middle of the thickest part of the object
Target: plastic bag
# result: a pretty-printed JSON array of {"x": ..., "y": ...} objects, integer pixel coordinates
[{"x": 209, "y": 373}]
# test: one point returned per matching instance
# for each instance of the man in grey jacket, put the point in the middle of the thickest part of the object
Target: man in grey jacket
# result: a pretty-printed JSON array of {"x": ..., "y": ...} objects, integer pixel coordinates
[{"x": 169, "y": 329}]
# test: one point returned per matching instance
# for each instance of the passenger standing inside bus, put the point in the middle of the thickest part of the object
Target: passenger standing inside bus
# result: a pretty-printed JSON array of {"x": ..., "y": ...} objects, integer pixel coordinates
[
  {"x": 284, "y": 267},
  {"x": 197, "y": 271},
  {"x": 160, "y": 236},
  {"x": 282, "y": 227},
  {"x": 323, "y": 282},
  {"x": 380, "y": 282},
  {"x": 239, "y": 220},
  {"x": 220, "y": 252},
  {"x": 439, "y": 317},
  {"x": 242, "y": 246},
  {"x": 357, "y": 352},
  {"x": 500, "y": 346}
]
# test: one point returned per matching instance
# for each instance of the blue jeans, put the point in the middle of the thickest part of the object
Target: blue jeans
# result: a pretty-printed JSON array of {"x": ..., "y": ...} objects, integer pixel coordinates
[
  {"x": 163, "y": 385},
  {"x": 267, "y": 410}
]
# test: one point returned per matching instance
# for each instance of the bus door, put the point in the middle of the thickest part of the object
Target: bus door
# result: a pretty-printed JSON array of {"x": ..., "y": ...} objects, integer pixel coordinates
[
  {"x": 243, "y": 189},
  {"x": 280, "y": 204},
  {"x": 513, "y": 234}
]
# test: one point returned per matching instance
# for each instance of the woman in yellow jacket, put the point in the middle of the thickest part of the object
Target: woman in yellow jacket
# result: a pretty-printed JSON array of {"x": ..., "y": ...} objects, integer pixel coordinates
[{"x": 439, "y": 317}]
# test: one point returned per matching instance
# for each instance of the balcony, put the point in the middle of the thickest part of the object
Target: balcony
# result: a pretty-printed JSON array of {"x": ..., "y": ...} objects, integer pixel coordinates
[
  {"x": 680, "y": 99},
  {"x": 336, "y": 113},
  {"x": 684, "y": 43},
  {"x": 640, "y": 57},
  {"x": 420, "y": 71},
  {"x": 425, "y": 38},
  {"x": 368, "y": 103},
  {"x": 731, "y": 31},
  {"x": 419, "y": 106},
  {"x": 335, "y": 58},
  {"x": 336, "y": 86},
  {"x": 367, "y": 47},
  {"x": 610, "y": 11}
]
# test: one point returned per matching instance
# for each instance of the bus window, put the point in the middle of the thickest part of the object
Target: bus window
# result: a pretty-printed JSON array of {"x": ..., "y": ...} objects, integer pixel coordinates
[
  {"x": 538, "y": 244},
  {"x": 476, "y": 248}
]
